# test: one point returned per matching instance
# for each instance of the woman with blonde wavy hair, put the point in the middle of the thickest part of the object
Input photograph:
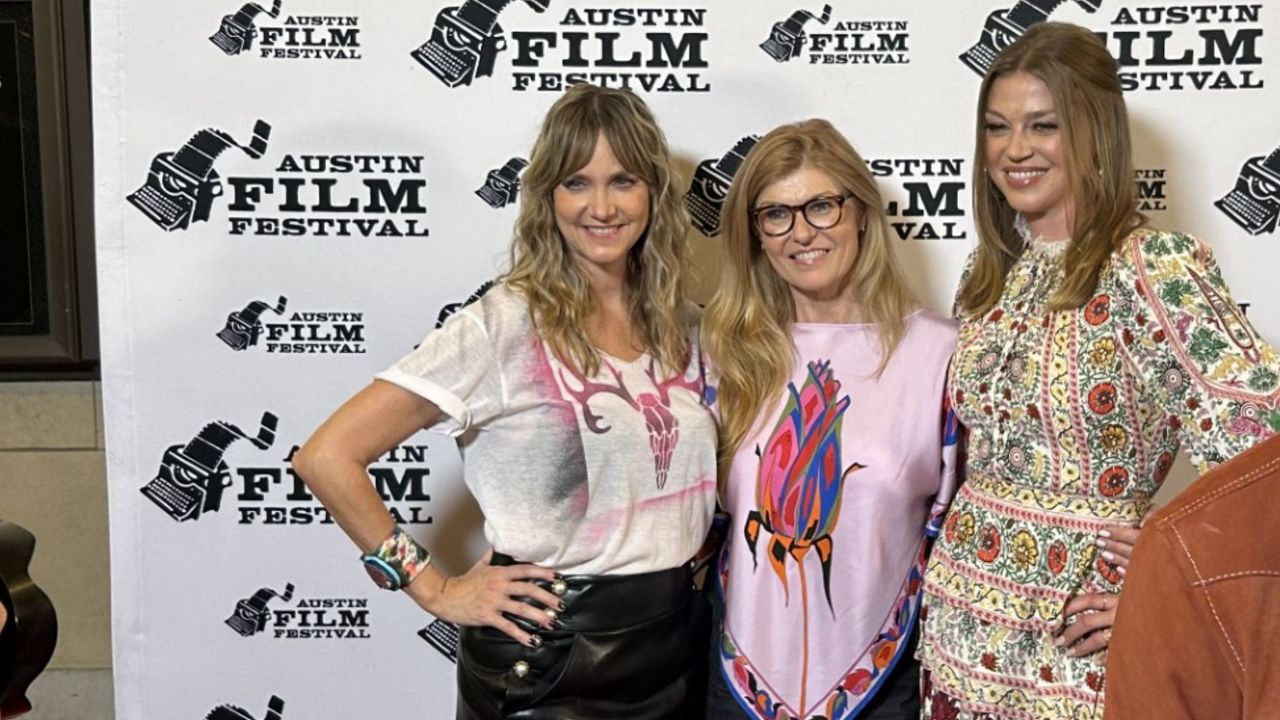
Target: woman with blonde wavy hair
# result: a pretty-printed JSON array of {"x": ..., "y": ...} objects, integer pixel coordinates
[
  {"x": 836, "y": 449},
  {"x": 574, "y": 389},
  {"x": 1091, "y": 348}
]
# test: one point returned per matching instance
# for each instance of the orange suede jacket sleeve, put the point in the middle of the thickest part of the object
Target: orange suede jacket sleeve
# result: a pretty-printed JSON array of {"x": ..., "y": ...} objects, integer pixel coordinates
[{"x": 1197, "y": 633}]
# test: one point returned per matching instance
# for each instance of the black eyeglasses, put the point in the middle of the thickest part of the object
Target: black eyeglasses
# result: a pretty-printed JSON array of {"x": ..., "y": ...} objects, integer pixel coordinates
[{"x": 821, "y": 213}]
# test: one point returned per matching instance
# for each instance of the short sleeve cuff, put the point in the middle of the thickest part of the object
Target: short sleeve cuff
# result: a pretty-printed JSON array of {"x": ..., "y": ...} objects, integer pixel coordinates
[{"x": 458, "y": 417}]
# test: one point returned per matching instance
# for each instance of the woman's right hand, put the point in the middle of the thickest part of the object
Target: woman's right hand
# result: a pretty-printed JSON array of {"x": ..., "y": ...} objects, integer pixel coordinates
[{"x": 482, "y": 594}]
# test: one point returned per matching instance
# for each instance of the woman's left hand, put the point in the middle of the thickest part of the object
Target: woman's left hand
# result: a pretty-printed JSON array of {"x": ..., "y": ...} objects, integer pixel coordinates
[
  {"x": 1116, "y": 545},
  {"x": 1091, "y": 630},
  {"x": 1116, "y": 542}
]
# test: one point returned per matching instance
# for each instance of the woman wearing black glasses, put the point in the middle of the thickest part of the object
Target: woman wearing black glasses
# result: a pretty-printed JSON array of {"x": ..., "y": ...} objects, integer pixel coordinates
[{"x": 836, "y": 449}]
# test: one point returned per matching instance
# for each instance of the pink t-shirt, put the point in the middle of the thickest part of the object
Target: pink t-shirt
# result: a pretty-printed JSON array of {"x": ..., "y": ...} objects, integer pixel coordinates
[{"x": 833, "y": 497}]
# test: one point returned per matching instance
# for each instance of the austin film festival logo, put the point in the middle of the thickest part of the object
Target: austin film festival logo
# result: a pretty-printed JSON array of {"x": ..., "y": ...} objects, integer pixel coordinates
[
  {"x": 710, "y": 186},
  {"x": 340, "y": 195},
  {"x": 1151, "y": 189},
  {"x": 933, "y": 208},
  {"x": 1254, "y": 203},
  {"x": 182, "y": 184},
  {"x": 275, "y": 711},
  {"x": 842, "y": 42},
  {"x": 1158, "y": 48},
  {"x": 787, "y": 38},
  {"x": 332, "y": 196},
  {"x": 1006, "y": 25},
  {"x": 298, "y": 37},
  {"x": 466, "y": 40},
  {"x": 641, "y": 49},
  {"x": 315, "y": 618},
  {"x": 502, "y": 185},
  {"x": 193, "y": 476},
  {"x": 193, "y": 479},
  {"x": 325, "y": 332},
  {"x": 1187, "y": 47},
  {"x": 273, "y": 494}
]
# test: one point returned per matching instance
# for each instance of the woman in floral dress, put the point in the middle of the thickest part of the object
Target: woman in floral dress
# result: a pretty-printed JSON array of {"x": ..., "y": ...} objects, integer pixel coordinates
[{"x": 1091, "y": 349}]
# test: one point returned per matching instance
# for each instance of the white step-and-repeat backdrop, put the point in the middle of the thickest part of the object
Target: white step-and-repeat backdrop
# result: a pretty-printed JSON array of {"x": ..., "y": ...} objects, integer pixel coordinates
[{"x": 290, "y": 194}]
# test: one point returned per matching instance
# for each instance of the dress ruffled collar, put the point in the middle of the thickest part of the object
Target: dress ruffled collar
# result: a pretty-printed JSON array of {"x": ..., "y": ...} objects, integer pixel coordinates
[{"x": 1053, "y": 249}]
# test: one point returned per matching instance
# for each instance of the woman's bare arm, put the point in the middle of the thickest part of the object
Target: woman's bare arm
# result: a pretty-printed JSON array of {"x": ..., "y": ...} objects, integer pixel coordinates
[{"x": 333, "y": 463}]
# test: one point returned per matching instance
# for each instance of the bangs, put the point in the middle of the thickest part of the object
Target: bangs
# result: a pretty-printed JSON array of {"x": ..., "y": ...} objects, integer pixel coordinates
[
  {"x": 774, "y": 159},
  {"x": 569, "y": 150},
  {"x": 638, "y": 155},
  {"x": 572, "y": 135},
  {"x": 817, "y": 146}
]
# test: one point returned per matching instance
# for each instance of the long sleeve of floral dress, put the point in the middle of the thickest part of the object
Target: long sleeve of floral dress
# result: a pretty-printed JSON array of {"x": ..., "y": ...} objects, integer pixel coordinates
[
  {"x": 1074, "y": 419},
  {"x": 1216, "y": 380}
]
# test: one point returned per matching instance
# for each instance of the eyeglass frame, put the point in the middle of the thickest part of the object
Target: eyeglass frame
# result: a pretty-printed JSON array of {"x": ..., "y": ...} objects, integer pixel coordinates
[{"x": 801, "y": 209}]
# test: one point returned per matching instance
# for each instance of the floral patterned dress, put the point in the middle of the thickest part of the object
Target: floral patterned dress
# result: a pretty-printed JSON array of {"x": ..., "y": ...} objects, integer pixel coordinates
[{"x": 1075, "y": 418}]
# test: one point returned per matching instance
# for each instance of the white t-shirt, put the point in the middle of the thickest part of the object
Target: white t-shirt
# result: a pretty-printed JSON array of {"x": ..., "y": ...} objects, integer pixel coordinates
[{"x": 613, "y": 474}]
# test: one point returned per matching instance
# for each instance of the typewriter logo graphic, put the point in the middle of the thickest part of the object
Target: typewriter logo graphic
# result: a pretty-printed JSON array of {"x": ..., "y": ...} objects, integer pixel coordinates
[
  {"x": 786, "y": 40},
  {"x": 251, "y": 614},
  {"x": 244, "y": 327},
  {"x": 466, "y": 39},
  {"x": 181, "y": 185},
  {"x": 452, "y": 308},
  {"x": 443, "y": 636},
  {"x": 710, "y": 186},
  {"x": 1254, "y": 203},
  {"x": 192, "y": 477},
  {"x": 238, "y": 31},
  {"x": 275, "y": 708},
  {"x": 1005, "y": 26},
  {"x": 502, "y": 186}
]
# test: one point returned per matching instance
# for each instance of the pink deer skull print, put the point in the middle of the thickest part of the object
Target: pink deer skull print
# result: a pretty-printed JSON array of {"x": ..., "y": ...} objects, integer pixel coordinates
[{"x": 655, "y": 407}]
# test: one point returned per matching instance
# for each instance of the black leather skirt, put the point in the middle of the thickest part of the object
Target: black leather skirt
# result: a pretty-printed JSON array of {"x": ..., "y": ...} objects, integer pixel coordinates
[{"x": 628, "y": 646}]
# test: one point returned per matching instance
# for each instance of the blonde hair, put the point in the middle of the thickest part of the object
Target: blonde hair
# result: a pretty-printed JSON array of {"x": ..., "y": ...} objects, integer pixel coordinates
[
  {"x": 747, "y": 325},
  {"x": 1082, "y": 78},
  {"x": 542, "y": 268}
]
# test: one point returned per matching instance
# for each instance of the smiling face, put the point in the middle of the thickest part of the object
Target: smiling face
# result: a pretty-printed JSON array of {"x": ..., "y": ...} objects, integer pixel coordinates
[
  {"x": 817, "y": 264},
  {"x": 601, "y": 211},
  {"x": 1025, "y": 153}
]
